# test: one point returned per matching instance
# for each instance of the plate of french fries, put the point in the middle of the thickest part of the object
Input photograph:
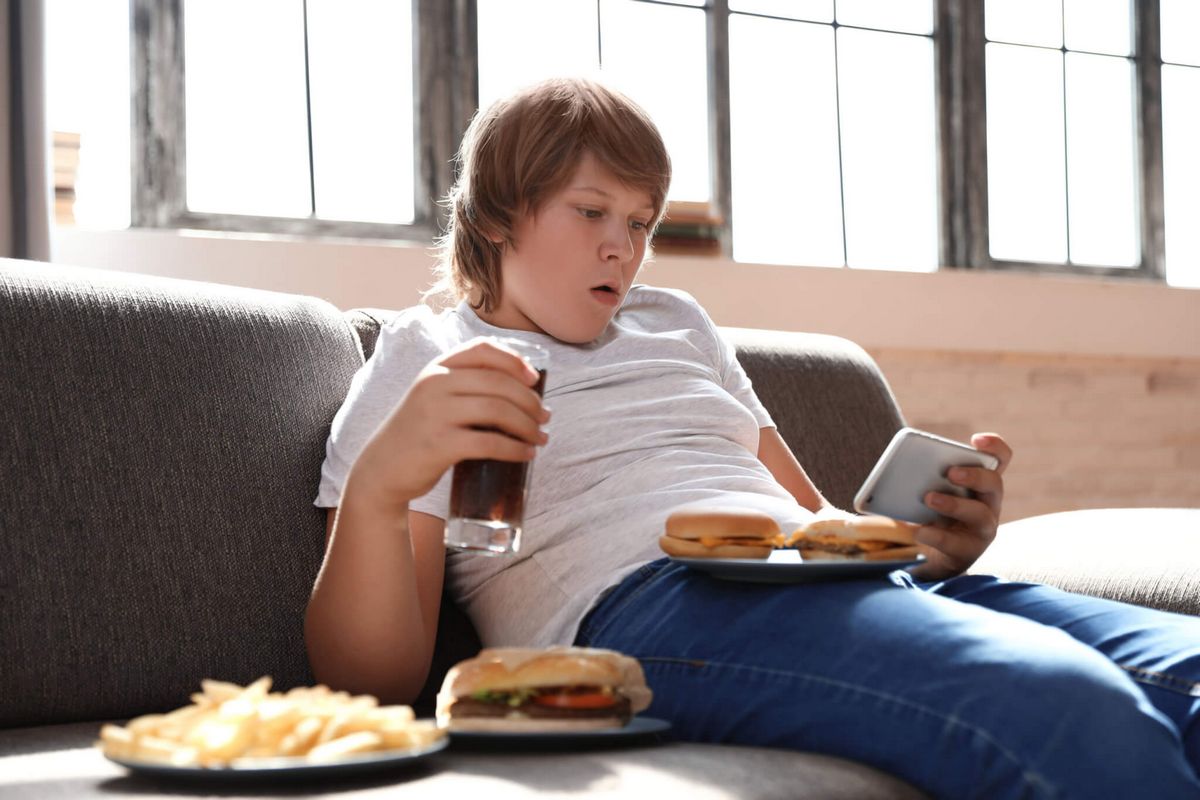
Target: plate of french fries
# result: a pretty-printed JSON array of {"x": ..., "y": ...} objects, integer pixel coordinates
[{"x": 244, "y": 732}]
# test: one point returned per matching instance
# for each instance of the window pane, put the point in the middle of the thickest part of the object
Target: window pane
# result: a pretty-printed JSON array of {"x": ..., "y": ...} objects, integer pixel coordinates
[
  {"x": 1099, "y": 26},
  {"x": 1036, "y": 22},
  {"x": 1101, "y": 161},
  {"x": 1026, "y": 167},
  {"x": 911, "y": 16},
  {"x": 787, "y": 198},
  {"x": 1180, "y": 21},
  {"x": 87, "y": 93},
  {"x": 636, "y": 58},
  {"x": 1181, "y": 173},
  {"x": 360, "y": 73},
  {"x": 247, "y": 124},
  {"x": 514, "y": 49},
  {"x": 815, "y": 10},
  {"x": 889, "y": 157}
]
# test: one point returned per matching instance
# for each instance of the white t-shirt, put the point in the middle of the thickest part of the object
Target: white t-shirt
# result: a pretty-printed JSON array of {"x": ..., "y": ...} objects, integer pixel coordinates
[{"x": 654, "y": 414}]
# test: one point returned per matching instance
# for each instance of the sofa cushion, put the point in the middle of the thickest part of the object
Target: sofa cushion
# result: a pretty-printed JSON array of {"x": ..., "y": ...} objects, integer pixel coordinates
[
  {"x": 58, "y": 761},
  {"x": 160, "y": 445},
  {"x": 1147, "y": 556}
]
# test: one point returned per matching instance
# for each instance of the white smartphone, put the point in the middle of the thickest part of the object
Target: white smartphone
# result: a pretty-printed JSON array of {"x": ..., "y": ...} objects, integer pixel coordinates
[{"x": 913, "y": 464}]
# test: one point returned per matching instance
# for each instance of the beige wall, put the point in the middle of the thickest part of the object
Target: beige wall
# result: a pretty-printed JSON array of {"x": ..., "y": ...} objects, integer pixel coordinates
[
  {"x": 1096, "y": 383},
  {"x": 1087, "y": 431}
]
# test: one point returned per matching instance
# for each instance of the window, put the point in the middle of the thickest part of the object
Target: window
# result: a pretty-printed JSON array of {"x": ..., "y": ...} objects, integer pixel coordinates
[
  {"x": 889, "y": 134},
  {"x": 87, "y": 109}
]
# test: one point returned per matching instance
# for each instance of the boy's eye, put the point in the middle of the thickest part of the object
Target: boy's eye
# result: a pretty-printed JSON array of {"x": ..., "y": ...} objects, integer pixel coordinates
[
  {"x": 591, "y": 213},
  {"x": 638, "y": 225}
]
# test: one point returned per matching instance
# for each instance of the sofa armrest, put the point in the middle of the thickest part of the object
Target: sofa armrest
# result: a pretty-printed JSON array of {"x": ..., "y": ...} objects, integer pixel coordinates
[{"x": 1147, "y": 556}]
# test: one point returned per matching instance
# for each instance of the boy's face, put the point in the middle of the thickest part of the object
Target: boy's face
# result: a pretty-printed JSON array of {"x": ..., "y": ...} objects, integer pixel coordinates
[{"x": 575, "y": 258}]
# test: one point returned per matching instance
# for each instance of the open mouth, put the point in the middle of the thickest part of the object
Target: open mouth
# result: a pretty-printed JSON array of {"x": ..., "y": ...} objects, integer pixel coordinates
[{"x": 606, "y": 294}]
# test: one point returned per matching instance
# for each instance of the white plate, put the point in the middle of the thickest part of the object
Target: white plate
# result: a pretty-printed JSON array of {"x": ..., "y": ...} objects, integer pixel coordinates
[
  {"x": 786, "y": 566},
  {"x": 640, "y": 730},
  {"x": 276, "y": 769}
]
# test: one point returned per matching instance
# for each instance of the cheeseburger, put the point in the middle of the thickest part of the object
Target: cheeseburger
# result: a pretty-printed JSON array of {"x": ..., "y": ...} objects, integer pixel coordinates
[
  {"x": 871, "y": 538},
  {"x": 524, "y": 690},
  {"x": 720, "y": 533}
]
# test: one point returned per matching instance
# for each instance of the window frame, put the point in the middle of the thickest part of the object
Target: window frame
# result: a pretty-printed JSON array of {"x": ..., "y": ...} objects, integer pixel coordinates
[
  {"x": 960, "y": 47},
  {"x": 446, "y": 92}
]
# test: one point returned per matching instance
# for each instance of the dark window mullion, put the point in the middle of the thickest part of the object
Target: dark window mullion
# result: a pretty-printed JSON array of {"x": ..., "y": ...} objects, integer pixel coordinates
[
  {"x": 1148, "y": 61},
  {"x": 157, "y": 146},
  {"x": 1062, "y": 10},
  {"x": 719, "y": 123},
  {"x": 308, "y": 116},
  {"x": 962, "y": 103}
]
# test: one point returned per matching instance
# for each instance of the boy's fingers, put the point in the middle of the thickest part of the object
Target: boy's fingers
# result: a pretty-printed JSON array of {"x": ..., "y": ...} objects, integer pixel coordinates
[
  {"x": 492, "y": 412},
  {"x": 994, "y": 444},
  {"x": 482, "y": 354},
  {"x": 987, "y": 484},
  {"x": 975, "y": 514},
  {"x": 486, "y": 383},
  {"x": 475, "y": 444}
]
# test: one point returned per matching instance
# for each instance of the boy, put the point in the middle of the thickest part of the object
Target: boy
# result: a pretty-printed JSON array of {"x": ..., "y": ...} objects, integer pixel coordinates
[{"x": 965, "y": 686}]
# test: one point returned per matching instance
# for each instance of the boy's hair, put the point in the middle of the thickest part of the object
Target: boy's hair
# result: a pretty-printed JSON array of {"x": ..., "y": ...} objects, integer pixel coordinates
[{"x": 522, "y": 149}]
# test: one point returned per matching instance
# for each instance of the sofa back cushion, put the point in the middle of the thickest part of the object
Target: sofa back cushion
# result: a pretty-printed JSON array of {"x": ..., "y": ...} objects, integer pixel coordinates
[
  {"x": 829, "y": 399},
  {"x": 160, "y": 448}
]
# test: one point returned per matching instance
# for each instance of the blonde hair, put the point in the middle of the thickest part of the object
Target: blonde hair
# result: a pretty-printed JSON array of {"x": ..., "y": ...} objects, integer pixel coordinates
[{"x": 524, "y": 148}]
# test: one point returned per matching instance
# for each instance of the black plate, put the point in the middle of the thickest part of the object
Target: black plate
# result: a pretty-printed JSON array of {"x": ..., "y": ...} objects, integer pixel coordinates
[
  {"x": 278, "y": 769},
  {"x": 639, "y": 731}
]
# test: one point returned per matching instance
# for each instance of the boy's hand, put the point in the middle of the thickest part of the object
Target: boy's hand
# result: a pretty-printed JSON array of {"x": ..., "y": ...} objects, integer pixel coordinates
[
  {"x": 444, "y": 418},
  {"x": 967, "y": 526}
]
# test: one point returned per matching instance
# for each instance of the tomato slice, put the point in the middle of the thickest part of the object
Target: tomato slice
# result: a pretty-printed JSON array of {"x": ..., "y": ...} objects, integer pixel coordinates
[{"x": 583, "y": 700}]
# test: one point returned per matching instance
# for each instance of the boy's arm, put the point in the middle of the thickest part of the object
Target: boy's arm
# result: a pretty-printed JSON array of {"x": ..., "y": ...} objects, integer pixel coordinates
[
  {"x": 372, "y": 616},
  {"x": 775, "y": 454}
]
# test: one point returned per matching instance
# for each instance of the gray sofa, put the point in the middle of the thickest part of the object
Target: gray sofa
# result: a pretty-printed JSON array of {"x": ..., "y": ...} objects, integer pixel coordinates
[{"x": 160, "y": 443}]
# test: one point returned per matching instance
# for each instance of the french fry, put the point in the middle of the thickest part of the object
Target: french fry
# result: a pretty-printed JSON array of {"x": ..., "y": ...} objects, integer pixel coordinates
[
  {"x": 351, "y": 744},
  {"x": 228, "y": 724}
]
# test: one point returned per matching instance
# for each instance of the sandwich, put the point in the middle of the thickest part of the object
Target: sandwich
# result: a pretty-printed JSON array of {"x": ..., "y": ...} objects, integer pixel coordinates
[
  {"x": 558, "y": 689},
  {"x": 869, "y": 538},
  {"x": 720, "y": 533}
]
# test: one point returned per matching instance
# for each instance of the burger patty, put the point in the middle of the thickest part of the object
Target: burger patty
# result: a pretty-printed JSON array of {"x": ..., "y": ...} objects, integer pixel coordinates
[
  {"x": 847, "y": 547},
  {"x": 470, "y": 707}
]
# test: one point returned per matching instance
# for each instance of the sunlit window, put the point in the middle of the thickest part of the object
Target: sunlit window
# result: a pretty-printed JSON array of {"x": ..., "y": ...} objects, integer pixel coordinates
[
  {"x": 621, "y": 43},
  {"x": 1181, "y": 132},
  {"x": 295, "y": 114},
  {"x": 1061, "y": 132},
  {"x": 87, "y": 108},
  {"x": 852, "y": 132},
  {"x": 833, "y": 134}
]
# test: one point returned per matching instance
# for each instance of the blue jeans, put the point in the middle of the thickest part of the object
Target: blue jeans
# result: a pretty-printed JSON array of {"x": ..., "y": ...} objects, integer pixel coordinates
[{"x": 973, "y": 687}]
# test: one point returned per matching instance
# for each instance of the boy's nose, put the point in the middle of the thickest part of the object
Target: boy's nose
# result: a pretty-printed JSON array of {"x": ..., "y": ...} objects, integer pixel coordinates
[{"x": 618, "y": 243}]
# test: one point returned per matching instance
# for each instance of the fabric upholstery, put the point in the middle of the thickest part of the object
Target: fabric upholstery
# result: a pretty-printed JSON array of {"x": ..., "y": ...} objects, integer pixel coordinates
[
  {"x": 830, "y": 401},
  {"x": 59, "y": 762},
  {"x": 159, "y": 452},
  {"x": 1147, "y": 556}
]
